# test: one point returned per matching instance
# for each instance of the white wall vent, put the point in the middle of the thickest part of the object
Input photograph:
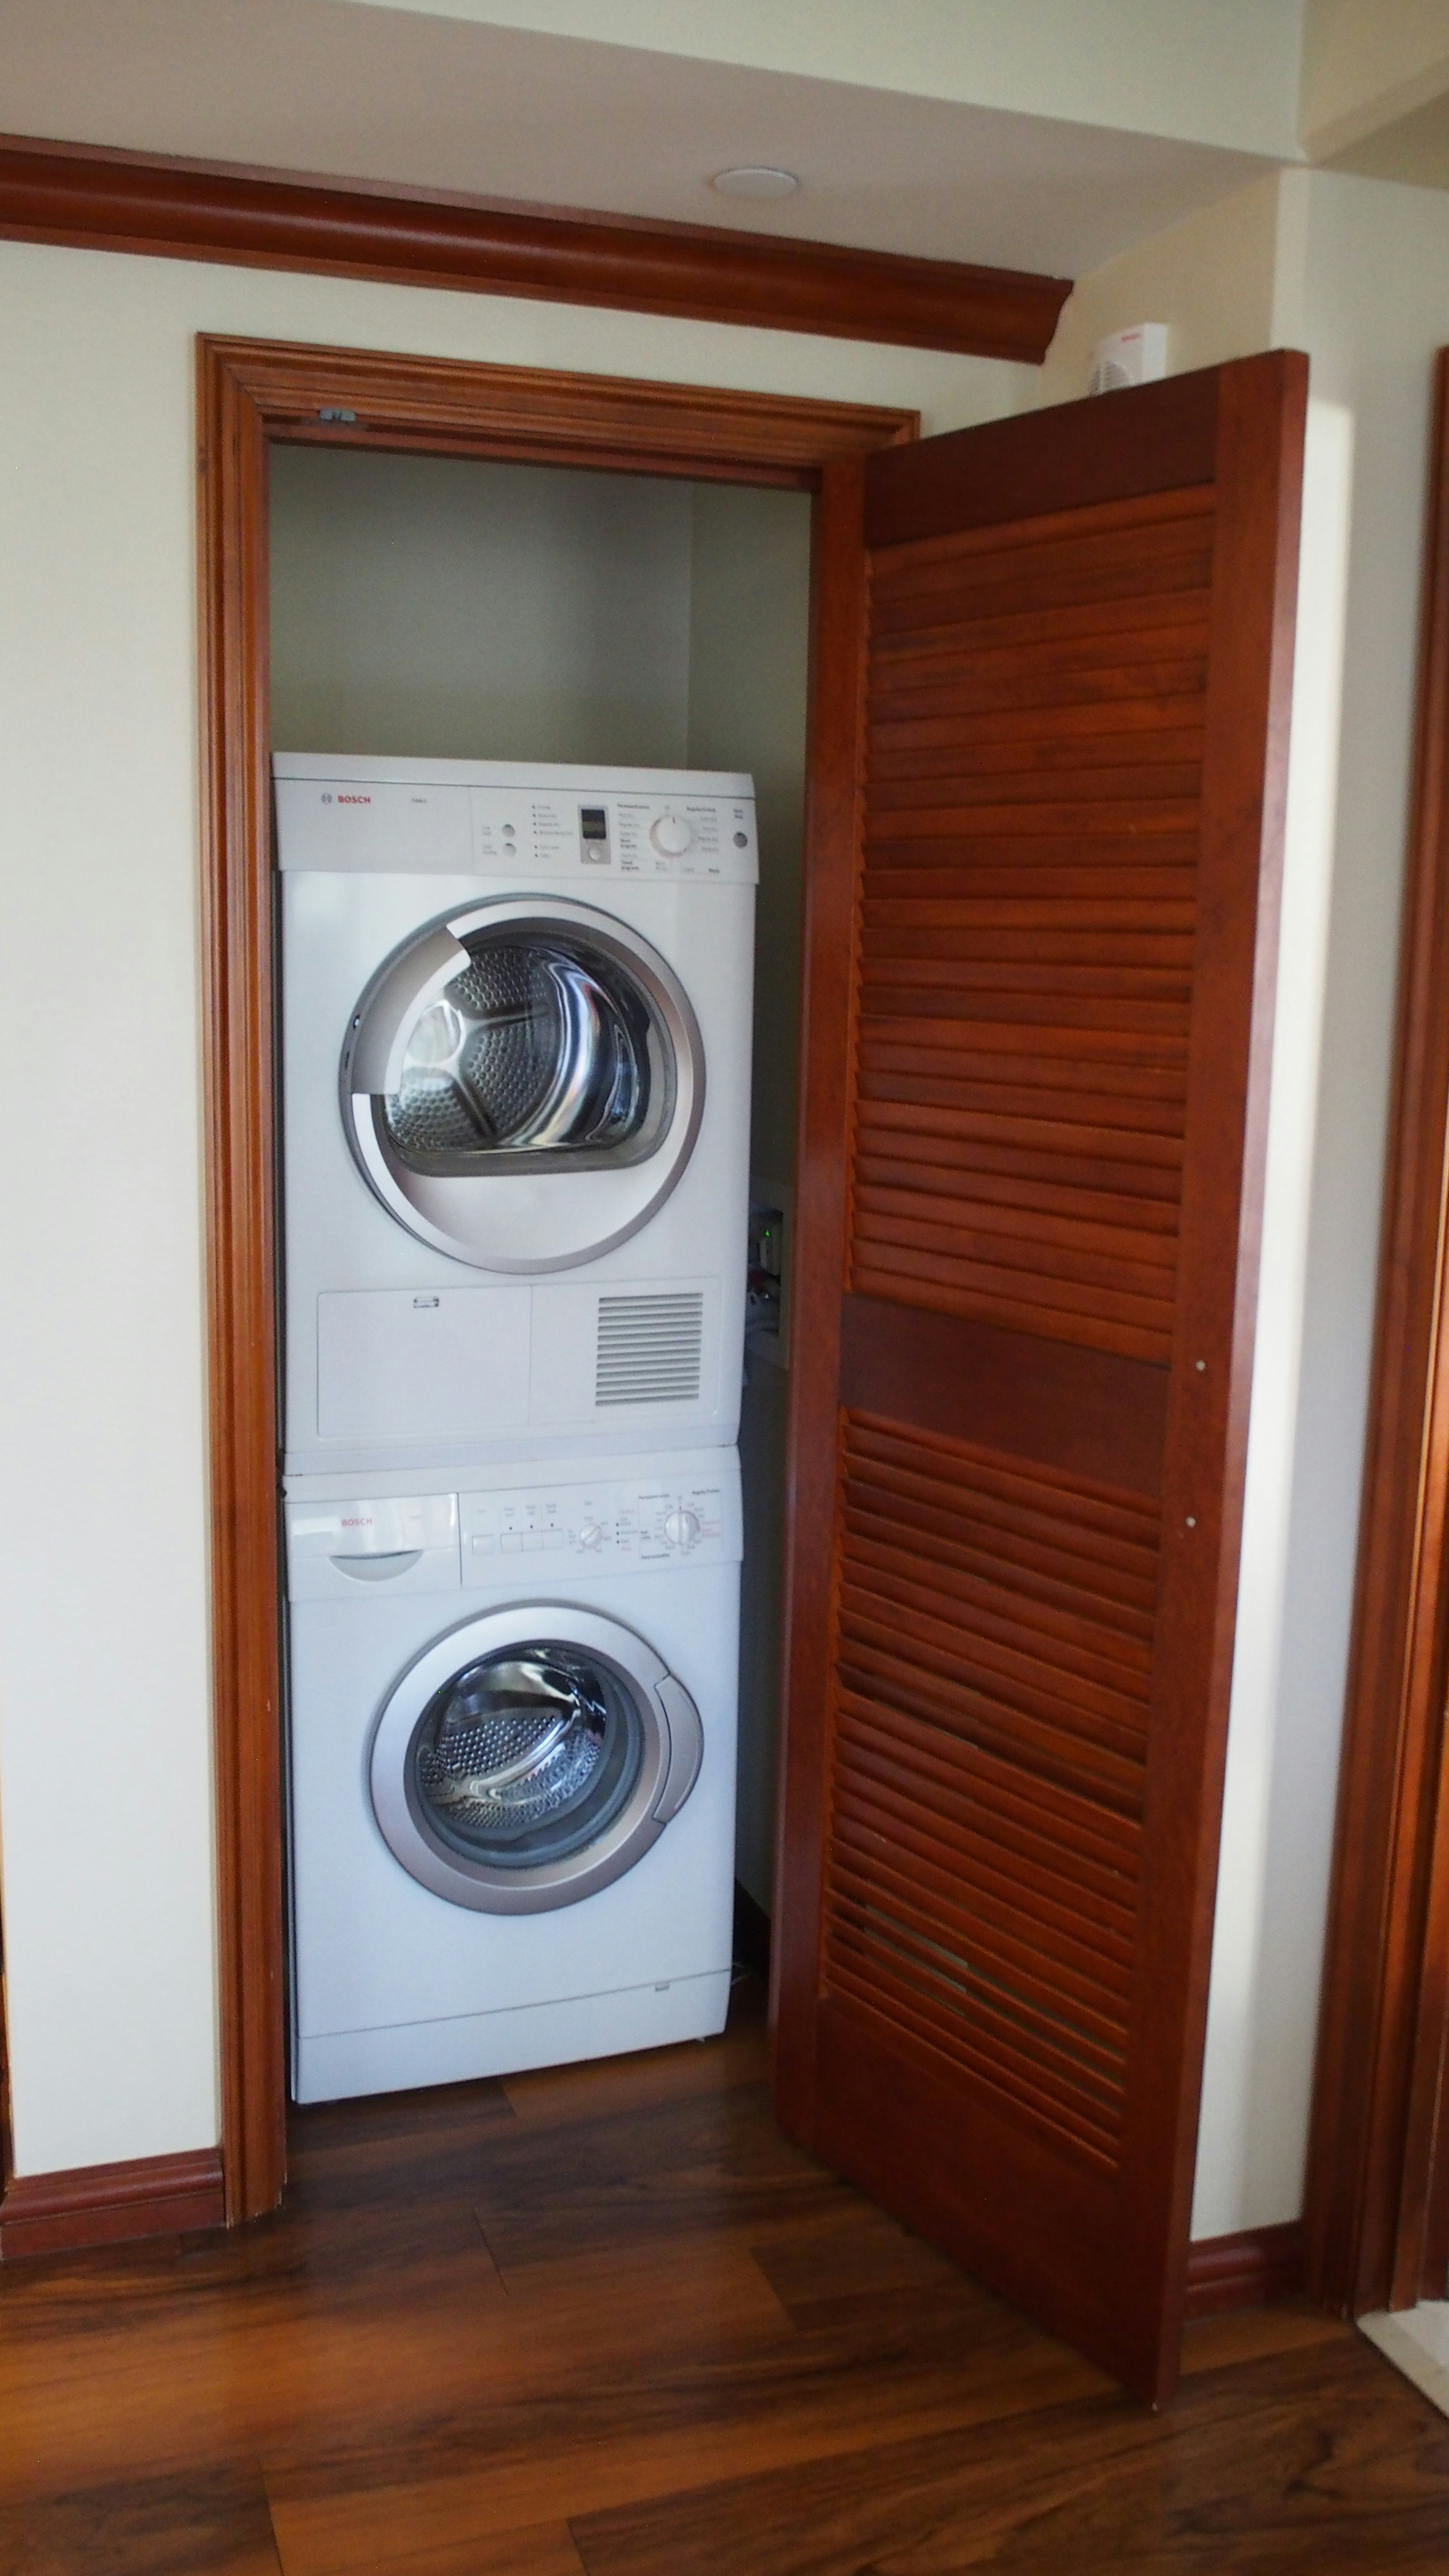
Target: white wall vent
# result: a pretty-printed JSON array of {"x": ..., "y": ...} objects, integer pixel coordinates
[
  {"x": 1136, "y": 356},
  {"x": 650, "y": 1349}
]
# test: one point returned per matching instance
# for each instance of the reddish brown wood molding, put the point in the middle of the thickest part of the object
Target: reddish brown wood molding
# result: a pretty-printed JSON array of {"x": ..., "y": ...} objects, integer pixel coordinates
[
  {"x": 356, "y": 397},
  {"x": 237, "y": 1023},
  {"x": 1244, "y": 2271},
  {"x": 248, "y": 393},
  {"x": 254, "y": 219},
  {"x": 1378, "y": 2177},
  {"x": 58, "y": 2213},
  {"x": 831, "y": 881}
]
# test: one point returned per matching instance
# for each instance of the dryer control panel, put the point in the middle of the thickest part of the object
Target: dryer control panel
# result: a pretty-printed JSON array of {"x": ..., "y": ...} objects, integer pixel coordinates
[
  {"x": 516, "y": 830},
  {"x": 688, "y": 1517},
  {"x": 649, "y": 827}
]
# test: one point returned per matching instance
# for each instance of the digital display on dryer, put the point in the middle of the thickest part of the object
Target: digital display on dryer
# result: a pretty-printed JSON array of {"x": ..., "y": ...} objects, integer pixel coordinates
[{"x": 593, "y": 823}]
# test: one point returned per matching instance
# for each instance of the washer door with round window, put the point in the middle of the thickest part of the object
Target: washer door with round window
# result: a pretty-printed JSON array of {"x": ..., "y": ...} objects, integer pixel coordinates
[
  {"x": 523, "y": 1083},
  {"x": 531, "y": 1757}
]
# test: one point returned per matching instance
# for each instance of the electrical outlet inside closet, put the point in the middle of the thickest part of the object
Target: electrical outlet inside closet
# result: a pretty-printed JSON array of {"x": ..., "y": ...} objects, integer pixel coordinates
[{"x": 479, "y": 611}]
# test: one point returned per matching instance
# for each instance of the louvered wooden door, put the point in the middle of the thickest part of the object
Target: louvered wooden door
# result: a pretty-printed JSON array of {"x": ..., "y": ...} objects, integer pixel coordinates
[{"x": 1053, "y": 658}]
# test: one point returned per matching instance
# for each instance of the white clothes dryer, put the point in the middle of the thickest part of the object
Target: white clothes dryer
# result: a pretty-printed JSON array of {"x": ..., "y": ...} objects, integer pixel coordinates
[
  {"x": 516, "y": 1014},
  {"x": 512, "y": 1716}
]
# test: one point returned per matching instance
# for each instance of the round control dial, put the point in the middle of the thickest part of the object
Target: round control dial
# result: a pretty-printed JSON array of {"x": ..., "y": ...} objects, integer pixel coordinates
[
  {"x": 592, "y": 1534},
  {"x": 681, "y": 1528},
  {"x": 672, "y": 835}
]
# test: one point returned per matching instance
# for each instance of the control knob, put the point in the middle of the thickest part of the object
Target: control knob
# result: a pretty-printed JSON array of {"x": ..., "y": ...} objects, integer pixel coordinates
[
  {"x": 681, "y": 1528},
  {"x": 672, "y": 835},
  {"x": 592, "y": 1534}
]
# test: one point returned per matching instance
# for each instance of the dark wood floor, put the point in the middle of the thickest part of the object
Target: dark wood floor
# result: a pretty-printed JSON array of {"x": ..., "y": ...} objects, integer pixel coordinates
[{"x": 606, "y": 2320}]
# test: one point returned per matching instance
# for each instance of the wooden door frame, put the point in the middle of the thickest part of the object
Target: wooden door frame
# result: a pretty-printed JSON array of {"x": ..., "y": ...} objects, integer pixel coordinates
[
  {"x": 250, "y": 394},
  {"x": 1377, "y": 2218}
]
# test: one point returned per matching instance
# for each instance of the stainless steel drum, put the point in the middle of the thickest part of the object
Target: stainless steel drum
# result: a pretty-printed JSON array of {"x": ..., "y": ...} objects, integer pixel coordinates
[
  {"x": 531, "y": 1757},
  {"x": 523, "y": 1040}
]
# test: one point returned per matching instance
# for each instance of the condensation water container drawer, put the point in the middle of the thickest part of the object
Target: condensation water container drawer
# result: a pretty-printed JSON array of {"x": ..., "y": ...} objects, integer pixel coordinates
[
  {"x": 372, "y": 1545},
  {"x": 409, "y": 1364}
]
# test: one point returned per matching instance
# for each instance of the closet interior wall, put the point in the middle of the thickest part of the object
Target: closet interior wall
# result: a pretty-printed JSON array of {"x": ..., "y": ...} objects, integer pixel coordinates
[{"x": 462, "y": 609}]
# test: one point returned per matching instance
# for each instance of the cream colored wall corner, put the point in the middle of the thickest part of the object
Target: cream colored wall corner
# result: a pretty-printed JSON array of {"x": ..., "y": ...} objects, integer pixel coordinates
[
  {"x": 1366, "y": 63},
  {"x": 1228, "y": 283},
  {"x": 1213, "y": 280},
  {"x": 1373, "y": 290},
  {"x": 1363, "y": 285},
  {"x": 1272, "y": 1877},
  {"x": 106, "y": 1831}
]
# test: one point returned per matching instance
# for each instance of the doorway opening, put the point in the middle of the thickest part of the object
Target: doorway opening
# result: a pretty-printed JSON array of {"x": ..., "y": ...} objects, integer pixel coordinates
[
  {"x": 426, "y": 608},
  {"x": 257, "y": 402}
]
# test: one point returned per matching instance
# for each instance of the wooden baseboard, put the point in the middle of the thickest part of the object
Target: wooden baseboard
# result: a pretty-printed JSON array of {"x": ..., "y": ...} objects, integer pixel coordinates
[
  {"x": 1244, "y": 2271},
  {"x": 58, "y": 2213}
]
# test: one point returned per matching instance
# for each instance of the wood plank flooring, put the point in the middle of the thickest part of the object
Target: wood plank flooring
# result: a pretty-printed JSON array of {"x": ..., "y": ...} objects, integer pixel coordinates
[{"x": 604, "y": 2321}]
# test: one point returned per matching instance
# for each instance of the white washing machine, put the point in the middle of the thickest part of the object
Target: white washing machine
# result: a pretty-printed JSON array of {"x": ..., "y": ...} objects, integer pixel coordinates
[
  {"x": 511, "y": 1767},
  {"x": 516, "y": 1081}
]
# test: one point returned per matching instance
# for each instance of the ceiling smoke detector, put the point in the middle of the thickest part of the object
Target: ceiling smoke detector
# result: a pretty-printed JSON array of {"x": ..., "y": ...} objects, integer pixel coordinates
[{"x": 751, "y": 180}]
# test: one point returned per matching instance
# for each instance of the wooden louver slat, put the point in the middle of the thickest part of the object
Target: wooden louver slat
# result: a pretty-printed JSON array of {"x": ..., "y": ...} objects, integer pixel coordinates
[
  {"x": 952, "y": 1651},
  {"x": 1069, "y": 961}
]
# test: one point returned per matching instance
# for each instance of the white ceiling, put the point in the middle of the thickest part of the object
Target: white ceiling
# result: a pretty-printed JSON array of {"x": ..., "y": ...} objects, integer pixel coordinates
[
  {"x": 400, "y": 96},
  {"x": 1227, "y": 74}
]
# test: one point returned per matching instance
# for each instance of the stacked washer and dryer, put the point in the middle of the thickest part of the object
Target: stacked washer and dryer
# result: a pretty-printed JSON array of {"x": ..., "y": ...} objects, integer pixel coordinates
[{"x": 515, "y": 1087}]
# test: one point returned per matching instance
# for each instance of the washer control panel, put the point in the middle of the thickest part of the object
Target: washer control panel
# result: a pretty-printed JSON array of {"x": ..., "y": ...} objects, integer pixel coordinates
[{"x": 688, "y": 1517}]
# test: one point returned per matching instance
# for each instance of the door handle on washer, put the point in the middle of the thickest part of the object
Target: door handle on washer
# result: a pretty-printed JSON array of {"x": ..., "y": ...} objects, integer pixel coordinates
[{"x": 686, "y": 1746}]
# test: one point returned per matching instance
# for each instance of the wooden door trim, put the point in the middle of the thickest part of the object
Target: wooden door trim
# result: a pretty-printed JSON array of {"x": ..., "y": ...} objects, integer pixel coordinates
[
  {"x": 84, "y": 196},
  {"x": 1379, "y": 2156},
  {"x": 249, "y": 394}
]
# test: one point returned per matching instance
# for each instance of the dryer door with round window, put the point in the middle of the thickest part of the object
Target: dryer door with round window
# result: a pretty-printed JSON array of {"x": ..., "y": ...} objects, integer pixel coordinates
[
  {"x": 531, "y": 1757},
  {"x": 523, "y": 1083}
]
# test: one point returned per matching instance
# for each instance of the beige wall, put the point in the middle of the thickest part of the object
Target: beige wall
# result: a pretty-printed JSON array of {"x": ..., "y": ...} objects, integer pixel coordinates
[
  {"x": 462, "y": 610},
  {"x": 106, "y": 1834},
  {"x": 1213, "y": 280},
  {"x": 1366, "y": 63},
  {"x": 1374, "y": 305}
]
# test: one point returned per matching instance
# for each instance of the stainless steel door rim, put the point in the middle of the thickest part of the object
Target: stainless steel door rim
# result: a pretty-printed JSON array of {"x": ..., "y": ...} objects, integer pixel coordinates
[
  {"x": 666, "y": 1753},
  {"x": 522, "y": 1083}
]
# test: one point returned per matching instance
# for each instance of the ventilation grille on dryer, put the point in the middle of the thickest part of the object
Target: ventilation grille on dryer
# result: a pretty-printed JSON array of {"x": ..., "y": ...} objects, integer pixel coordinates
[{"x": 650, "y": 1349}]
